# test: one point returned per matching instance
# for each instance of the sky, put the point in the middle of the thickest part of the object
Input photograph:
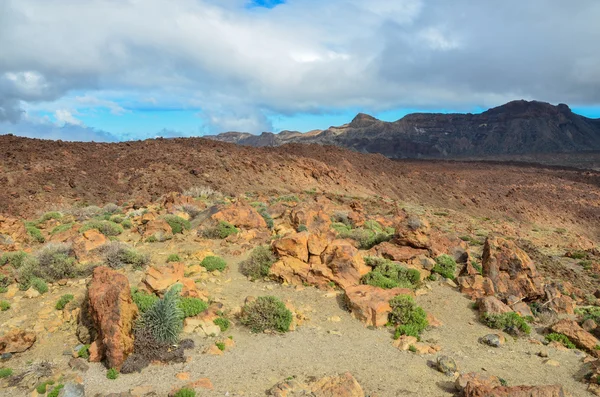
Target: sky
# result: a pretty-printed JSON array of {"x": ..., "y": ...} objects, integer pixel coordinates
[{"x": 111, "y": 70}]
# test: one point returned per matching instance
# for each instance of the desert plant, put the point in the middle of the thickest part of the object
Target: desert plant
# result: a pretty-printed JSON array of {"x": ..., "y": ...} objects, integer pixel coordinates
[
  {"x": 117, "y": 254},
  {"x": 214, "y": 263},
  {"x": 259, "y": 263},
  {"x": 191, "y": 307},
  {"x": 5, "y": 372},
  {"x": 412, "y": 348},
  {"x": 52, "y": 262},
  {"x": 35, "y": 233},
  {"x": 286, "y": 198},
  {"x": 112, "y": 374},
  {"x": 445, "y": 266},
  {"x": 62, "y": 228},
  {"x": 173, "y": 258},
  {"x": 50, "y": 215},
  {"x": 56, "y": 390},
  {"x": 509, "y": 322},
  {"x": 221, "y": 230},
  {"x": 191, "y": 210},
  {"x": 185, "y": 392},
  {"x": 111, "y": 208},
  {"x": 15, "y": 259},
  {"x": 203, "y": 192},
  {"x": 589, "y": 313},
  {"x": 302, "y": 228},
  {"x": 387, "y": 274},
  {"x": 408, "y": 318},
  {"x": 4, "y": 305},
  {"x": 63, "y": 301},
  {"x": 223, "y": 323},
  {"x": 266, "y": 313},
  {"x": 127, "y": 224},
  {"x": 142, "y": 299},
  {"x": 177, "y": 223},
  {"x": 84, "y": 352},
  {"x": 368, "y": 236},
  {"x": 83, "y": 213},
  {"x": 164, "y": 319},
  {"x": 220, "y": 345},
  {"x": 105, "y": 227},
  {"x": 39, "y": 285},
  {"x": 42, "y": 387},
  {"x": 560, "y": 338}
]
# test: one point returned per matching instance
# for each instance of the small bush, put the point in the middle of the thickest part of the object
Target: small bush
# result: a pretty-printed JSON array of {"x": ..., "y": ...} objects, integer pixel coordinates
[
  {"x": 5, "y": 372},
  {"x": 302, "y": 228},
  {"x": 173, "y": 258},
  {"x": 111, "y": 208},
  {"x": 62, "y": 228},
  {"x": 39, "y": 285},
  {"x": 4, "y": 305},
  {"x": 220, "y": 345},
  {"x": 203, "y": 192},
  {"x": 214, "y": 263},
  {"x": 152, "y": 239},
  {"x": 56, "y": 390},
  {"x": 387, "y": 274},
  {"x": 191, "y": 210},
  {"x": 83, "y": 213},
  {"x": 589, "y": 313},
  {"x": 127, "y": 224},
  {"x": 367, "y": 236},
  {"x": 286, "y": 198},
  {"x": 259, "y": 263},
  {"x": 192, "y": 306},
  {"x": 143, "y": 300},
  {"x": 52, "y": 262},
  {"x": 112, "y": 374},
  {"x": 412, "y": 348},
  {"x": 261, "y": 208},
  {"x": 42, "y": 387},
  {"x": 35, "y": 233},
  {"x": 409, "y": 318},
  {"x": 117, "y": 254},
  {"x": 105, "y": 227},
  {"x": 221, "y": 231},
  {"x": 15, "y": 259},
  {"x": 445, "y": 266},
  {"x": 266, "y": 313},
  {"x": 578, "y": 255},
  {"x": 164, "y": 319},
  {"x": 223, "y": 323},
  {"x": 477, "y": 267},
  {"x": 185, "y": 392},
  {"x": 84, "y": 352},
  {"x": 177, "y": 223},
  {"x": 560, "y": 338},
  {"x": 508, "y": 322},
  {"x": 63, "y": 301}
]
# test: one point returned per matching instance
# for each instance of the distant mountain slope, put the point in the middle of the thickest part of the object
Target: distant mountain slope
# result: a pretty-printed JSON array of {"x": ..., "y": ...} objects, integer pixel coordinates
[{"x": 518, "y": 127}]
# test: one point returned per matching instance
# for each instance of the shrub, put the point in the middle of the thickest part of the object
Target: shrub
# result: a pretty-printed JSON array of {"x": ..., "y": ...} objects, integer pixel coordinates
[
  {"x": 50, "y": 215},
  {"x": 105, "y": 227},
  {"x": 63, "y": 301},
  {"x": 409, "y": 318},
  {"x": 445, "y": 266},
  {"x": 15, "y": 259},
  {"x": 266, "y": 313},
  {"x": 127, "y": 224},
  {"x": 35, "y": 233},
  {"x": 152, "y": 239},
  {"x": 173, "y": 258},
  {"x": 4, "y": 305},
  {"x": 83, "y": 213},
  {"x": 117, "y": 254},
  {"x": 578, "y": 255},
  {"x": 111, "y": 208},
  {"x": 84, "y": 352},
  {"x": 56, "y": 390},
  {"x": 112, "y": 374},
  {"x": 589, "y": 313},
  {"x": 560, "y": 338},
  {"x": 191, "y": 210},
  {"x": 164, "y": 319},
  {"x": 177, "y": 223},
  {"x": 41, "y": 388},
  {"x": 220, "y": 345},
  {"x": 508, "y": 322},
  {"x": 387, "y": 274},
  {"x": 221, "y": 231},
  {"x": 5, "y": 372},
  {"x": 259, "y": 263},
  {"x": 51, "y": 263},
  {"x": 477, "y": 267},
  {"x": 223, "y": 323},
  {"x": 192, "y": 306},
  {"x": 412, "y": 348},
  {"x": 142, "y": 299},
  {"x": 286, "y": 198},
  {"x": 367, "y": 236},
  {"x": 39, "y": 285},
  {"x": 62, "y": 228},
  {"x": 302, "y": 228},
  {"x": 214, "y": 263},
  {"x": 203, "y": 192},
  {"x": 185, "y": 392}
]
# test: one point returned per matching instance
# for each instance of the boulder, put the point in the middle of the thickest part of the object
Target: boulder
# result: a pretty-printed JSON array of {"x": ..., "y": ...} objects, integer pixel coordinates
[
  {"x": 113, "y": 313},
  {"x": 492, "y": 305},
  {"x": 370, "y": 304},
  {"x": 314, "y": 216},
  {"x": 157, "y": 228},
  {"x": 580, "y": 337},
  {"x": 476, "y": 389},
  {"x": 16, "y": 341},
  {"x": 240, "y": 214},
  {"x": 345, "y": 262},
  {"x": 330, "y": 386},
  {"x": 488, "y": 381},
  {"x": 14, "y": 232},
  {"x": 175, "y": 199},
  {"x": 396, "y": 253},
  {"x": 557, "y": 302},
  {"x": 414, "y": 232},
  {"x": 294, "y": 245},
  {"x": 476, "y": 286},
  {"x": 86, "y": 243},
  {"x": 158, "y": 279}
]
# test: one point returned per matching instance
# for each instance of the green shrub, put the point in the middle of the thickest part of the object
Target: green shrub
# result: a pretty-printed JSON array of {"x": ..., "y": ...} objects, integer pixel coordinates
[
  {"x": 508, "y": 322},
  {"x": 41, "y": 388},
  {"x": 220, "y": 345},
  {"x": 302, "y": 228},
  {"x": 117, "y": 254},
  {"x": 127, "y": 224},
  {"x": 387, "y": 274},
  {"x": 192, "y": 306},
  {"x": 445, "y": 266},
  {"x": 5, "y": 372},
  {"x": 259, "y": 263},
  {"x": 152, "y": 239},
  {"x": 408, "y": 318},
  {"x": 4, "y": 305},
  {"x": 105, "y": 227},
  {"x": 62, "y": 228},
  {"x": 63, "y": 301},
  {"x": 266, "y": 313},
  {"x": 221, "y": 231},
  {"x": 112, "y": 374},
  {"x": 35, "y": 233},
  {"x": 185, "y": 392},
  {"x": 84, "y": 352},
  {"x": 52, "y": 262},
  {"x": 173, "y": 258},
  {"x": 39, "y": 285},
  {"x": 214, "y": 263},
  {"x": 142, "y": 299},
  {"x": 223, "y": 323},
  {"x": 164, "y": 319},
  {"x": 560, "y": 338},
  {"x": 368, "y": 236},
  {"x": 578, "y": 255},
  {"x": 50, "y": 215},
  {"x": 477, "y": 267},
  {"x": 589, "y": 313},
  {"x": 15, "y": 259},
  {"x": 177, "y": 223},
  {"x": 412, "y": 348},
  {"x": 286, "y": 198},
  {"x": 56, "y": 390},
  {"x": 3, "y": 290}
]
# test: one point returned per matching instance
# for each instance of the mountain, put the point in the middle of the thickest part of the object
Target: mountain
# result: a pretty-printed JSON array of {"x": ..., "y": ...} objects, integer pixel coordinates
[{"x": 518, "y": 127}]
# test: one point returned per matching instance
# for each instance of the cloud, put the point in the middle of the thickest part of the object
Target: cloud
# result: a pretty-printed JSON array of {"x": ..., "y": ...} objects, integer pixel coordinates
[
  {"x": 237, "y": 65},
  {"x": 64, "y": 116},
  {"x": 44, "y": 129}
]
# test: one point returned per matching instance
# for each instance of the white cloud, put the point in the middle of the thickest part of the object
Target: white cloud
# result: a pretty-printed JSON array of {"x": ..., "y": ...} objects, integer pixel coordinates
[{"x": 64, "y": 116}]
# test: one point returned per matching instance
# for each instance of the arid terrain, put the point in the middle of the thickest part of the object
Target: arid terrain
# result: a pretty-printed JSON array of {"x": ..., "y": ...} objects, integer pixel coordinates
[{"x": 157, "y": 267}]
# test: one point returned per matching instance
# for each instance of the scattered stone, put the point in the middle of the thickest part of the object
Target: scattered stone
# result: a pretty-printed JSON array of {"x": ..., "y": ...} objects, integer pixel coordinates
[
  {"x": 141, "y": 391},
  {"x": 202, "y": 383},
  {"x": 16, "y": 341},
  {"x": 543, "y": 353},
  {"x": 183, "y": 376},
  {"x": 552, "y": 363},
  {"x": 446, "y": 365},
  {"x": 589, "y": 325},
  {"x": 492, "y": 305},
  {"x": 493, "y": 340},
  {"x": 78, "y": 364},
  {"x": 72, "y": 390},
  {"x": 213, "y": 350},
  {"x": 31, "y": 293},
  {"x": 335, "y": 319}
]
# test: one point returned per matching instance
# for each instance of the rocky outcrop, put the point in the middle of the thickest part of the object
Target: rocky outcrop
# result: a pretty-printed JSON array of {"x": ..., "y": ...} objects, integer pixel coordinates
[
  {"x": 86, "y": 243},
  {"x": 113, "y": 313},
  {"x": 12, "y": 233},
  {"x": 477, "y": 389},
  {"x": 173, "y": 200},
  {"x": 580, "y": 337},
  {"x": 492, "y": 305},
  {"x": 344, "y": 385},
  {"x": 158, "y": 279},
  {"x": 371, "y": 304},
  {"x": 16, "y": 341},
  {"x": 241, "y": 215},
  {"x": 397, "y": 253},
  {"x": 156, "y": 228}
]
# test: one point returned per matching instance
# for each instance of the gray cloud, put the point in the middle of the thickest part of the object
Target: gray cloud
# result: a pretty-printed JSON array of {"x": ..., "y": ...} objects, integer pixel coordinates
[{"x": 239, "y": 65}]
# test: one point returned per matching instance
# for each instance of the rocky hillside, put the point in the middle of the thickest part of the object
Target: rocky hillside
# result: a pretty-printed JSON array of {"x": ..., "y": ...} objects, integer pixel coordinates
[{"x": 518, "y": 127}]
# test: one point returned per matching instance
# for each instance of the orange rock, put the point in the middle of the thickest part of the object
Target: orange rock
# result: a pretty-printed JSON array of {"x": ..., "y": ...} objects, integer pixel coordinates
[
  {"x": 84, "y": 244},
  {"x": 203, "y": 383},
  {"x": 344, "y": 261},
  {"x": 16, "y": 232},
  {"x": 580, "y": 337},
  {"x": 294, "y": 245},
  {"x": 396, "y": 253},
  {"x": 158, "y": 228},
  {"x": 492, "y": 305},
  {"x": 371, "y": 304},
  {"x": 174, "y": 199},
  {"x": 339, "y": 386},
  {"x": 241, "y": 215},
  {"x": 159, "y": 279},
  {"x": 213, "y": 350},
  {"x": 488, "y": 381},
  {"x": 16, "y": 341},
  {"x": 476, "y": 389},
  {"x": 183, "y": 376}
]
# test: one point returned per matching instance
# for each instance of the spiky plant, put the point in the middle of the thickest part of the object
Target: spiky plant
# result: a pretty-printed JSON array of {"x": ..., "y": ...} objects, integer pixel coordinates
[{"x": 164, "y": 319}]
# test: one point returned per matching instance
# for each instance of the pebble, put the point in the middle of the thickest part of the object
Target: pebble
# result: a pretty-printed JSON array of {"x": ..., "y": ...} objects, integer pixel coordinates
[
  {"x": 446, "y": 365},
  {"x": 493, "y": 340},
  {"x": 552, "y": 363},
  {"x": 543, "y": 353}
]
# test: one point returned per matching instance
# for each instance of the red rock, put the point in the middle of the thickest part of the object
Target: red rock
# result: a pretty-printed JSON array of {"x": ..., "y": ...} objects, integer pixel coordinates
[
  {"x": 203, "y": 383},
  {"x": 16, "y": 341},
  {"x": 522, "y": 308},
  {"x": 159, "y": 279},
  {"x": 15, "y": 230},
  {"x": 492, "y": 305},
  {"x": 371, "y": 304},
  {"x": 580, "y": 337},
  {"x": 488, "y": 381},
  {"x": 476, "y": 286},
  {"x": 344, "y": 261},
  {"x": 158, "y": 228},
  {"x": 242, "y": 215},
  {"x": 86, "y": 243},
  {"x": 113, "y": 313},
  {"x": 474, "y": 389},
  {"x": 559, "y": 303}
]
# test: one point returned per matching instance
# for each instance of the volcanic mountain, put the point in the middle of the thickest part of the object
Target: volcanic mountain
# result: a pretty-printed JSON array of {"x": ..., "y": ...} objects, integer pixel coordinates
[{"x": 518, "y": 127}]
